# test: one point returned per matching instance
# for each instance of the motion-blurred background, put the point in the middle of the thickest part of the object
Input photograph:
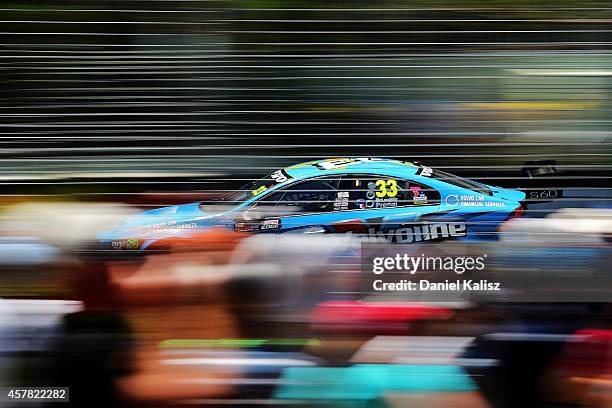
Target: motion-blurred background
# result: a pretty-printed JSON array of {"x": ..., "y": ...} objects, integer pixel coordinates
[
  {"x": 208, "y": 91},
  {"x": 109, "y": 107}
]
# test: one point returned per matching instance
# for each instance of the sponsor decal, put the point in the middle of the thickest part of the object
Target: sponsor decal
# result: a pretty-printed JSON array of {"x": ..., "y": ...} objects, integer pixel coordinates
[
  {"x": 273, "y": 223},
  {"x": 280, "y": 176},
  {"x": 342, "y": 163},
  {"x": 385, "y": 203},
  {"x": 452, "y": 200},
  {"x": 336, "y": 164},
  {"x": 478, "y": 201},
  {"x": 125, "y": 244},
  {"x": 245, "y": 227},
  {"x": 424, "y": 171},
  {"x": 257, "y": 226},
  {"x": 165, "y": 227},
  {"x": 371, "y": 193},
  {"x": 418, "y": 196},
  {"x": 409, "y": 233},
  {"x": 259, "y": 190},
  {"x": 342, "y": 201}
]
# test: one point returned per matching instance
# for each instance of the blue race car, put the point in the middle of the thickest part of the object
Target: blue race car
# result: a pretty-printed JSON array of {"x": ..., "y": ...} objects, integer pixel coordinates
[{"x": 378, "y": 199}]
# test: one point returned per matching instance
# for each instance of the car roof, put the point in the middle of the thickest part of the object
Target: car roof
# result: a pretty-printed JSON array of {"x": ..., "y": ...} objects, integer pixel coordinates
[{"x": 347, "y": 165}]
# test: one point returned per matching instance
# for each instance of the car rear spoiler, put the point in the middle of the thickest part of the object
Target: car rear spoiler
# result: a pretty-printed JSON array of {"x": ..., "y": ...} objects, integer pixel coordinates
[{"x": 539, "y": 180}]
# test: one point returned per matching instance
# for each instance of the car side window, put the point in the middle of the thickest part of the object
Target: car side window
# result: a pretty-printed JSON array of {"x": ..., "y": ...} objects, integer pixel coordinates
[
  {"x": 311, "y": 196},
  {"x": 372, "y": 192}
]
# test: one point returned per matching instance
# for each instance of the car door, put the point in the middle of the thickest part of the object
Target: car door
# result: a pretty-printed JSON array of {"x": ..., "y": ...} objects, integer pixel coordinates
[
  {"x": 380, "y": 202},
  {"x": 360, "y": 202},
  {"x": 337, "y": 203}
]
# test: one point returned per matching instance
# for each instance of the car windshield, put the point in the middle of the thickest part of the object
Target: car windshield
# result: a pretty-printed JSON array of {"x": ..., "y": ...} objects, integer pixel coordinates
[
  {"x": 234, "y": 198},
  {"x": 460, "y": 182},
  {"x": 237, "y": 197},
  {"x": 247, "y": 191}
]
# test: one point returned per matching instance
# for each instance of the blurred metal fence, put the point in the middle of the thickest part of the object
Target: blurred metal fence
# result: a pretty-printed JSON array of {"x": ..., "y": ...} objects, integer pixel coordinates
[{"x": 108, "y": 96}]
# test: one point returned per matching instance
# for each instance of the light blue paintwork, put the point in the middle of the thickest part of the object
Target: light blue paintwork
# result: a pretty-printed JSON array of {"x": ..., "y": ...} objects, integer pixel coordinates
[{"x": 183, "y": 220}]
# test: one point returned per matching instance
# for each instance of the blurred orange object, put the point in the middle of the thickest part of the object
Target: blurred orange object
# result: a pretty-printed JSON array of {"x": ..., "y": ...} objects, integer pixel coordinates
[
  {"x": 176, "y": 275},
  {"x": 178, "y": 293},
  {"x": 215, "y": 239}
]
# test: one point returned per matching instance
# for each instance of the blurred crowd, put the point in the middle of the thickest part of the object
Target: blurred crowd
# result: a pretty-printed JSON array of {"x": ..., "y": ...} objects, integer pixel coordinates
[{"x": 231, "y": 319}]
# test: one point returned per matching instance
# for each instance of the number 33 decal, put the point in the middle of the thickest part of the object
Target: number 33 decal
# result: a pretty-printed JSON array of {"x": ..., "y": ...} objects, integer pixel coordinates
[{"x": 388, "y": 188}]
